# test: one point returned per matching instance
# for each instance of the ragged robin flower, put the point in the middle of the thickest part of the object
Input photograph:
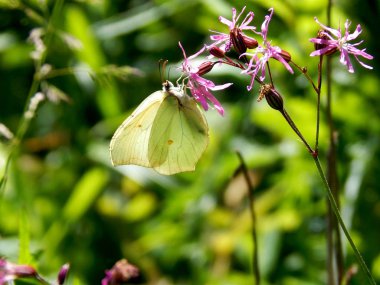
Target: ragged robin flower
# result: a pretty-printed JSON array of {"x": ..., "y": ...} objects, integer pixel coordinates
[
  {"x": 199, "y": 86},
  {"x": 257, "y": 64},
  {"x": 235, "y": 37},
  {"x": 330, "y": 40}
]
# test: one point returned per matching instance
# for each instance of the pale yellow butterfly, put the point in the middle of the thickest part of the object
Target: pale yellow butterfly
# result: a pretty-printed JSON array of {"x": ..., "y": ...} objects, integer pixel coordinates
[{"x": 167, "y": 132}]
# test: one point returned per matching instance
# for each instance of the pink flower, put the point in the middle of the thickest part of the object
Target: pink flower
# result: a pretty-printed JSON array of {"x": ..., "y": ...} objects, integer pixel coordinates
[
  {"x": 257, "y": 65},
  {"x": 335, "y": 40},
  {"x": 199, "y": 86},
  {"x": 224, "y": 40},
  {"x": 121, "y": 272}
]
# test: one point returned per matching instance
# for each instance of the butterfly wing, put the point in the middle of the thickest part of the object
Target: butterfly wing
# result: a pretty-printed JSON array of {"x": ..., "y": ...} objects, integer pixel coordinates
[
  {"x": 129, "y": 144},
  {"x": 179, "y": 135}
]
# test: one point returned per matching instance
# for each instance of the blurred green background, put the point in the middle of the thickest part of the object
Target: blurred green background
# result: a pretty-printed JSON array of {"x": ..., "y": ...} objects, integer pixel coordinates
[{"x": 192, "y": 228}]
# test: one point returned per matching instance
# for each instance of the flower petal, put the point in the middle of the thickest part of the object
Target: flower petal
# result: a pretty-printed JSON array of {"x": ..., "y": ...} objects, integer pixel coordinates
[
  {"x": 336, "y": 33},
  {"x": 221, "y": 87}
]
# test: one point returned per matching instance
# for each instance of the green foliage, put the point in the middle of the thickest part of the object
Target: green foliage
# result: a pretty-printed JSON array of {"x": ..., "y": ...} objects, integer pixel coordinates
[{"x": 64, "y": 202}]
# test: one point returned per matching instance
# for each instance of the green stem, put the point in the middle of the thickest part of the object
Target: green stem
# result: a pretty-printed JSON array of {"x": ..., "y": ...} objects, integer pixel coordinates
[
  {"x": 296, "y": 130},
  {"x": 25, "y": 121},
  {"x": 332, "y": 173},
  {"x": 304, "y": 71},
  {"x": 255, "y": 258},
  {"x": 341, "y": 223},
  {"x": 318, "y": 103}
]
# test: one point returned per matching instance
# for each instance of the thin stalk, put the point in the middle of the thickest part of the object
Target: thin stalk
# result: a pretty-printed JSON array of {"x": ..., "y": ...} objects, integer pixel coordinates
[
  {"x": 304, "y": 71},
  {"x": 255, "y": 259},
  {"x": 331, "y": 280},
  {"x": 335, "y": 209},
  {"x": 318, "y": 103},
  {"x": 270, "y": 74},
  {"x": 332, "y": 173},
  {"x": 295, "y": 129},
  {"x": 25, "y": 121},
  {"x": 331, "y": 198}
]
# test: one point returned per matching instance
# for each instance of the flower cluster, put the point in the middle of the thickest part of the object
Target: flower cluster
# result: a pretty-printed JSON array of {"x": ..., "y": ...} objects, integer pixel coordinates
[
  {"x": 253, "y": 57},
  {"x": 200, "y": 86}
]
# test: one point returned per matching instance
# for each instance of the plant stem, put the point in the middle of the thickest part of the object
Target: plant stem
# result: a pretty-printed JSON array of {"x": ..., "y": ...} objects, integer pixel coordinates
[
  {"x": 25, "y": 121},
  {"x": 332, "y": 173},
  {"x": 331, "y": 198},
  {"x": 304, "y": 71},
  {"x": 295, "y": 129},
  {"x": 318, "y": 103},
  {"x": 335, "y": 209},
  {"x": 255, "y": 259}
]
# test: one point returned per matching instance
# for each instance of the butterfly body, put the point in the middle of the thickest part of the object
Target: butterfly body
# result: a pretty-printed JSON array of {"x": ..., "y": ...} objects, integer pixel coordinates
[{"x": 167, "y": 132}]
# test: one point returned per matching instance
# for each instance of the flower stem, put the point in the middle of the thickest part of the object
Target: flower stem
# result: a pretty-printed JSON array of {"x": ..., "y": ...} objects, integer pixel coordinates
[
  {"x": 255, "y": 259},
  {"x": 332, "y": 174},
  {"x": 318, "y": 103},
  {"x": 25, "y": 121},
  {"x": 304, "y": 71},
  {"x": 341, "y": 223},
  {"x": 295, "y": 129}
]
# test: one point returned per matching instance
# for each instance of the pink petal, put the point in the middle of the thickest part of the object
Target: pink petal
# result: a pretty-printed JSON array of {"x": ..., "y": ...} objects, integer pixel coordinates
[
  {"x": 264, "y": 26},
  {"x": 362, "y": 64},
  {"x": 357, "y": 32},
  {"x": 336, "y": 33},
  {"x": 322, "y": 51},
  {"x": 246, "y": 21},
  {"x": 225, "y": 21},
  {"x": 345, "y": 59},
  {"x": 220, "y": 87},
  {"x": 197, "y": 53},
  {"x": 214, "y": 101}
]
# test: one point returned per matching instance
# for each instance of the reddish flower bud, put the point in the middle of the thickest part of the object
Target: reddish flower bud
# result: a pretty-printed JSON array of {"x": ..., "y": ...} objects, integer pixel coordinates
[
  {"x": 238, "y": 41},
  {"x": 322, "y": 35},
  {"x": 10, "y": 271},
  {"x": 273, "y": 98},
  {"x": 249, "y": 42},
  {"x": 217, "y": 52},
  {"x": 205, "y": 67},
  {"x": 285, "y": 55},
  {"x": 62, "y": 274}
]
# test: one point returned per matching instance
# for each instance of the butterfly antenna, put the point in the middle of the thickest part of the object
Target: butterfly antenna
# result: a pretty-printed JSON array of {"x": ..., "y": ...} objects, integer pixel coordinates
[
  {"x": 162, "y": 67},
  {"x": 169, "y": 72}
]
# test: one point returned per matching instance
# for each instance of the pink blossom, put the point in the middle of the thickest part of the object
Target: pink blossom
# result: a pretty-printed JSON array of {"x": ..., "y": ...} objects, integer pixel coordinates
[
  {"x": 199, "y": 86},
  {"x": 257, "y": 65},
  {"x": 224, "y": 40},
  {"x": 335, "y": 40},
  {"x": 121, "y": 272}
]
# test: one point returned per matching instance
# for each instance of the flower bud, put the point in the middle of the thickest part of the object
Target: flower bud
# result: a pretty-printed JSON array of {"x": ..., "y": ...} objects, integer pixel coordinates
[
  {"x": 217, "y": 52},
  {"x": 285, "y": 55},
  {"x": 238, "y": 41},
  {"x": 62, "y": 274},
  {"x": 205, "y": 67},
  {"x": 273, "y": 98},
  {"x": 249, "y": 42},
  {"x": 22, "y": 271},
  {"x": 322, "y": 35},
  {"x": 10, "y": 271}
]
